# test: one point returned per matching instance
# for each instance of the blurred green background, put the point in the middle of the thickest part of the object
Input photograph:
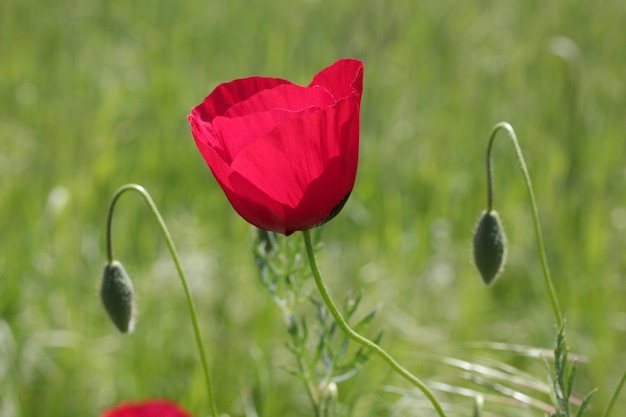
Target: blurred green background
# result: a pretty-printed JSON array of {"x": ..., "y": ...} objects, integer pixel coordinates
[{"x": 95, "y": 94}]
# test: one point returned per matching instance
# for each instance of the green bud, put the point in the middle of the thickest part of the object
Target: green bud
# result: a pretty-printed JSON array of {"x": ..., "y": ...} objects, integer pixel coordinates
[
  {"x": 117, "y": 296},
  {"x": 489, "y": 246}
]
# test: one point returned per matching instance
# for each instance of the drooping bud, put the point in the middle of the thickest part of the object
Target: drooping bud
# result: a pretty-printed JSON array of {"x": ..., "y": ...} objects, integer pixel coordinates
[
  {"x": 116, "y": 293},
  {"x": 489, "y": 246}
]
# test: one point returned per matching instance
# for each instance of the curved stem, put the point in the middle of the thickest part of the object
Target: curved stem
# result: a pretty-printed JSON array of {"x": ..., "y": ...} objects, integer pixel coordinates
[
  {"x": 490, "y": 172},
  {"x": 540, "y": 247},
  {"x": 341, "y": 322},
  {"x": 618, "y": 389},
  {"x": 170, "y": 244}
]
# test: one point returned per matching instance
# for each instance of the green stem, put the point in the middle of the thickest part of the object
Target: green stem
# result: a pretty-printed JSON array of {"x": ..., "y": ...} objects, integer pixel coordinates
[
  {"x": 305, "y": 369},
  {"x": 618, "y": 389},
  {"x": 540, "y": 247},
  {"x": 341, "y": 322},
  {"x": 170, "y": 244}
]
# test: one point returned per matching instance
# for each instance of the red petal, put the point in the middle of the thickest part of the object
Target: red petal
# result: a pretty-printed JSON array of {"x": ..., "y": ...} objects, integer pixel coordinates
[
  {"x": 226, "y": 95},
  {"x": 258, "y": 115},
  {"x": 307, "y": 165},
  {"x": 342, "y": 79},
  {"x": 236, "y": 133},
  {"x": 284, "y": 162},
  {"x": 285, "y": 97},
  {"x": 152, "y": 408}
]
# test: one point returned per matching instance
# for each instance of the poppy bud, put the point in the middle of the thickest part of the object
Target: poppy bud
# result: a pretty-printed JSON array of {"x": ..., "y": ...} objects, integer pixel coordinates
[
  {"x": 489, "y": 246},
  {"x": 117, "y": 296}
]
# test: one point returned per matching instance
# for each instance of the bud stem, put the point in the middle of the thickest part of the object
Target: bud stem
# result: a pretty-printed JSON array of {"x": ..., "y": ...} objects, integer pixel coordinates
[
  {"x": 341, "y": 322},
  {"x": 170, "y": 244},
  {"x": 540, "y": 247}
]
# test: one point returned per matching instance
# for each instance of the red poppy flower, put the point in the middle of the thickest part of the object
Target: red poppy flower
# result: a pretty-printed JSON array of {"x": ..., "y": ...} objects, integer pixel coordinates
[
  {"x": 285, "y": 155},
  {"x": 152, "y": 408}
]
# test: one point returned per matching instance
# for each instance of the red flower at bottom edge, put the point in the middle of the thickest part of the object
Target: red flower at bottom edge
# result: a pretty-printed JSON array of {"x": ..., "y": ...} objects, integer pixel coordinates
[
  {"x": 285, "y": 155},
  {"x": 151, "y": 408}
]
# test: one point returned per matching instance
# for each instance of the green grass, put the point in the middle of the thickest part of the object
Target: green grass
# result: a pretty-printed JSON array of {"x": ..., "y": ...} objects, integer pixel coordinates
[{"x": 94, "y": 94}]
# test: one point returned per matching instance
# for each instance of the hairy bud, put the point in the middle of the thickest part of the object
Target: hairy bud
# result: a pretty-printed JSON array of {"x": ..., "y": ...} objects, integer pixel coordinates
[
  {"x": 116, "y": 293},
  {"x": 489, "y": 246}
]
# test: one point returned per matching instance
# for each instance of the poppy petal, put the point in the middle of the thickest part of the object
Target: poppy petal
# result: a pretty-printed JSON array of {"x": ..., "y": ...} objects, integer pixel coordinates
[
  {"x": 341, "y": 79},
  {"x": 228, "y": 94},
  {"x": 286, "y": 97},
  {"x": 151, "y": 408}
]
